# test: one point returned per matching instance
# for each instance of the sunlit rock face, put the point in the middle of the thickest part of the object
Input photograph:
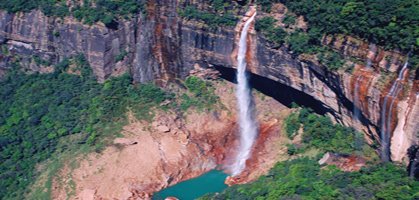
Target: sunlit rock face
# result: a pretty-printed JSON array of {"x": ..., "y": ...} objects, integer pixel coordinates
[{"x": 162, "y": 47}]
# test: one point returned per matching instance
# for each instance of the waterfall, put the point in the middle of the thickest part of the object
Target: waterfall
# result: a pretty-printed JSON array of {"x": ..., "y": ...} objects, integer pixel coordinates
[
  {"x": 247, "y": 123},
  {"x": 386, "y": 115}
]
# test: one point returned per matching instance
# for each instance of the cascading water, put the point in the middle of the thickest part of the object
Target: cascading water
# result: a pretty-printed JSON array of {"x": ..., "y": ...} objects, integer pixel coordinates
[
  {"x": 247, "y": 123},
  {"x": 386, "y": 114}
]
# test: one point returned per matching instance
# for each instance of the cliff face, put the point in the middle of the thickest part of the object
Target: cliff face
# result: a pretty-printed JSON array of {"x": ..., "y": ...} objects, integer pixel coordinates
[
  {"x": 162, "y": 46},
  {"x": 27, "y": 36}
]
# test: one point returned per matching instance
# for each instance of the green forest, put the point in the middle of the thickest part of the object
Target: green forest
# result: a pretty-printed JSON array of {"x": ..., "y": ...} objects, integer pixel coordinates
[
  {"x": 393, "y": 24},
  {"x": 304, "y": 178},
  {"x": 319, "y": 132},
  {"x": 105, "y": 11},
  {"x": 39, "y": 110}
]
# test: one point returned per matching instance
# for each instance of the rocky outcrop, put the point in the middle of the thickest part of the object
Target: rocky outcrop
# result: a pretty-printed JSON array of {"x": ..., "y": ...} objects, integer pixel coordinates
[
  {"x": 347, "y": 163},
  {"x": 162, "y": 46}
]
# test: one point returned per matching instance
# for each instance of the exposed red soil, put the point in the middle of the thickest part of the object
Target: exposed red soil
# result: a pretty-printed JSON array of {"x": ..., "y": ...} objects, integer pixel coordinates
[
  {"x": 348, "y": 163},
  {"x": 364, "y": 76}
]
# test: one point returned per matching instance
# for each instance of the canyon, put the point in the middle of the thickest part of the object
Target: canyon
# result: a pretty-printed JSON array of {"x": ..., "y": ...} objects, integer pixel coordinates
[{"x": 161, "y": 46}]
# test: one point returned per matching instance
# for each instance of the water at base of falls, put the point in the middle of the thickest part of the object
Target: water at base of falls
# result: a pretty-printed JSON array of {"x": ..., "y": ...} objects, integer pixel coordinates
[
  {"x": 210, "y": 182},
  {"x": 247, "y": 123}
]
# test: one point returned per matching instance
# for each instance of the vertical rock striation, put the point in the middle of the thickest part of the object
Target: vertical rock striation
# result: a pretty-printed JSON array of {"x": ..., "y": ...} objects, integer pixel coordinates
[
  {"x": 51, "y": 39},
  {"x": 157, "y": 55}
]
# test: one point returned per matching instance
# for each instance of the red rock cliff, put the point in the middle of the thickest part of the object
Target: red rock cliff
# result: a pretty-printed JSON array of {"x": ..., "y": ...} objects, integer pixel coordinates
[{"x": 162, "y": 46}]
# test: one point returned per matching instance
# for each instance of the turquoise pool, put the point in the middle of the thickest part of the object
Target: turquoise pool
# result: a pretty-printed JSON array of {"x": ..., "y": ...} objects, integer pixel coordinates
[{"x": 210, "y": 182}]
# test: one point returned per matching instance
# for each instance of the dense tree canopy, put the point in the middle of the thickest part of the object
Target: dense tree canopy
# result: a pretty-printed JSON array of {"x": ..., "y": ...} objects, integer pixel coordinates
[
  {"x": 201, "y": 95},
  {"x": 303, "y": 178},
  {"x": 319, "y": 132},
  {"x": 390, "y": 23},
  {"x": 90, "y": 12},
  {"x": 38, "y": 110}
]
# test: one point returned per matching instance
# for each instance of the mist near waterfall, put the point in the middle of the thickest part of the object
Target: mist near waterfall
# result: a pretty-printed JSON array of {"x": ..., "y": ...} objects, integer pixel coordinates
[{"x": 246, "y": 109}]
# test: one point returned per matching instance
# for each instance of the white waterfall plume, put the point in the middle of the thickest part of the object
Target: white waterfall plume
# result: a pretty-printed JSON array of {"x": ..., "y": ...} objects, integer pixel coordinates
[
  {"x": 247, "y": 123},
  {"x": 386, "y": 114}
]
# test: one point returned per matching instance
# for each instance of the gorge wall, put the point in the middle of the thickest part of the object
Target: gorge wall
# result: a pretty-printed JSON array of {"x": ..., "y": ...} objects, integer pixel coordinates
[{"x": 161, "y": 46}]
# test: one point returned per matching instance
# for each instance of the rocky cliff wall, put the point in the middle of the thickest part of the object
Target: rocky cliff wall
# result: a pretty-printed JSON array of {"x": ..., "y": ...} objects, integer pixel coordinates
[
  {"x": 162, "y": 46},
  {"x": 24, "y": 36}
]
